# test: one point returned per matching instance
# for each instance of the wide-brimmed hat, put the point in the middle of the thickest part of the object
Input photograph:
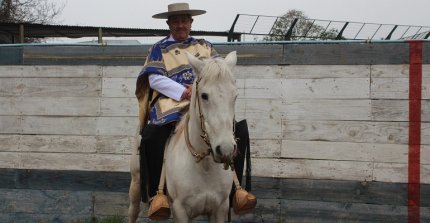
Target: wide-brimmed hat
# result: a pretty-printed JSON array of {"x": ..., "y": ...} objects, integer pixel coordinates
[{"x": 178, "y": 9}]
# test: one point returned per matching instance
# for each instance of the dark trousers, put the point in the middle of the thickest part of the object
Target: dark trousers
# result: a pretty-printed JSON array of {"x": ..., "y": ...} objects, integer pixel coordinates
[{"x": 152, "y": 145}]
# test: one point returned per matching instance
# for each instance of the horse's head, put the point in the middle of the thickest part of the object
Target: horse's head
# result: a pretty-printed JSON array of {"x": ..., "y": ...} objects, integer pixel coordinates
[{"x": 213, "y": 100}]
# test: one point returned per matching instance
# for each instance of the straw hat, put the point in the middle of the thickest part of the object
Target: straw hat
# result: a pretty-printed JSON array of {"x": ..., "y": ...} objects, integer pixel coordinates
[{"x": 178, "y": 9}]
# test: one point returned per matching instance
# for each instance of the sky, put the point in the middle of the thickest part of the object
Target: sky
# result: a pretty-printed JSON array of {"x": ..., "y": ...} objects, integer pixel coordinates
[{"x": 221, "y": 13}]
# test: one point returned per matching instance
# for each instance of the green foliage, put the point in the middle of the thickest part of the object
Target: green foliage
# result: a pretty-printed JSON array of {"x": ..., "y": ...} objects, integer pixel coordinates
[{"x": 305, "y": 28}]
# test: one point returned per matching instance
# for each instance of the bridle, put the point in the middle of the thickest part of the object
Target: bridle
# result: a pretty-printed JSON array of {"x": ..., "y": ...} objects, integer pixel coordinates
[{"x": 204, "y": 135}]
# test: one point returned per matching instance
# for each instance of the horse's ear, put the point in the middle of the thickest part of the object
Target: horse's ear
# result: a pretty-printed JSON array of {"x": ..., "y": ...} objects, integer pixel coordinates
[
  {"x": 195, "y": 63},
  {"x": 231, "y": 59}
]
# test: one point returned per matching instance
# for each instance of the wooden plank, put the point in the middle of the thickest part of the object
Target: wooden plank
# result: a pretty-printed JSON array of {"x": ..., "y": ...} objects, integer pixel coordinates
[
  {"x": 68, "y": 144},
  {"x": 45, "y": 201},
  {"x": 121, "y": 71},
  {"x": 397, "y": 110},
  {"x": 305, "y": 211},
  {"x": 368, "y": 152},
  {"x": 312, "y": 169},
  {"x": 265, "y": 128},
  {"x": 324, "y": 71},
  {"x": 240, "y": 85},
  {"x": 391, "y": 172},
  {"x": 265, "y": 148},
  {"x": 53, "y": 125},
  {"x": 398, "y": 172},
  {"x": 346, "y": 53},
  {"x": 264, "y": 108},
  {"x": 11, "y": 55},
  {"x": 327, "y": 109},
  {"x": 50, "y": 71},
  {"x": 65, "y": 161},
  {"x": 71, "y": 180},
  {"x": 128, "y": 107},
  {"x": 396, "y": 88},
  {"x": 325, "y": 169},
  {"x": 248, "y": 53},
  {"x": 262, "y": 54},
  {"x": 85, "y": 55},
  {"x": 289, "y": 89},
  {"x": 258, "y": 72},
  {"x": 10, "y": 124},
  {"x": 9, "y": 142},
  {"x": 119, "y": 87},
  {"x": 114, "y": 203},
  {"x": 425, "y": 174},
  {"x": 20, "y": 217},
  {"x": 61, "y": 106},
  {"x": 390, "y": 70},
  {"x": 344, "y": 191},
  {"x": 396, "y": 70},
  {"x": 351, "y": 131},
  {"x": 47, "y": 87}
]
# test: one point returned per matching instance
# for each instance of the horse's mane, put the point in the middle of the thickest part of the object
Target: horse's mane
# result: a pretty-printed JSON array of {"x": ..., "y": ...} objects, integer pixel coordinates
[
  {"x": 180, "y": 127},
  {"x": 216, "y": 66}
]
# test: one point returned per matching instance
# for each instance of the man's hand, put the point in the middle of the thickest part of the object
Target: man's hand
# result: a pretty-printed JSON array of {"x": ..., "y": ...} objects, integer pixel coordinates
[{"x": 187, "y": 92}]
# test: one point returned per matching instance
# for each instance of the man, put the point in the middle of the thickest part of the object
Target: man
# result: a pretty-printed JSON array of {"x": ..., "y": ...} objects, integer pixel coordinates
[{"x": 164, "y": 88}]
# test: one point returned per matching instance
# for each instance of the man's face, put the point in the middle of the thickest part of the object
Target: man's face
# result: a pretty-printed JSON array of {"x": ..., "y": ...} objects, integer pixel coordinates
[{"x": 180, "y": 26}]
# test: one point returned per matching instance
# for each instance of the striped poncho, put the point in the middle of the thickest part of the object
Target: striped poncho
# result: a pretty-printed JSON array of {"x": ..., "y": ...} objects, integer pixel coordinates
[{"x": 168, "y": 58}]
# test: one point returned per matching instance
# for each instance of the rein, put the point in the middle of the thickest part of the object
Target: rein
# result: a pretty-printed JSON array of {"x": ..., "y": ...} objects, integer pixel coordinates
[{"x": 204, "y": 135}]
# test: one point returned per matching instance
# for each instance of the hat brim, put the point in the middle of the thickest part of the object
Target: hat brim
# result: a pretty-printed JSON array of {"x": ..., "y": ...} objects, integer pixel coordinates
[{"x": 192, "y": 12}]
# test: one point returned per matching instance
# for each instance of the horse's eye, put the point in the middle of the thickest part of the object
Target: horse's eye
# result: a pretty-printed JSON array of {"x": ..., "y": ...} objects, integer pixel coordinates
[{"x": 205, "y": 96}]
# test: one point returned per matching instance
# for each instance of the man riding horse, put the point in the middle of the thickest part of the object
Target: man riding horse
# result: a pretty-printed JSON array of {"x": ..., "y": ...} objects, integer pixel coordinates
[{"x": 163, "y": 89}]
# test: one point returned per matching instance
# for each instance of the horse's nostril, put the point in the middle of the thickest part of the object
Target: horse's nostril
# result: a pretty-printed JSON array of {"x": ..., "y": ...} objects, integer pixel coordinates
[{"x": 218, "y": 150}]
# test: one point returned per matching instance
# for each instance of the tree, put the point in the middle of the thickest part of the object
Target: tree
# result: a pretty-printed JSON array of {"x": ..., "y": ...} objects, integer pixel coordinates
[
  {"x": 27, "y": 11},
  {"x": 30, "y": 11},
  {"x": 303, "y": 29}
]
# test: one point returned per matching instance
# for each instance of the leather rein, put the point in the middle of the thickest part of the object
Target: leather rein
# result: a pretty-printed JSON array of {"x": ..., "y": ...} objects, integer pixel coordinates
[{"x": 204, "y": 135}]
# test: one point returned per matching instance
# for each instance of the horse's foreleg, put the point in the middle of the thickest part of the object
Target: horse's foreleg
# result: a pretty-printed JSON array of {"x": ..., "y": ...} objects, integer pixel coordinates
[
  {"x": 179, "y": 213},
  {"x": 220, "y": 214},
  {"x": 134, "y": 192}
]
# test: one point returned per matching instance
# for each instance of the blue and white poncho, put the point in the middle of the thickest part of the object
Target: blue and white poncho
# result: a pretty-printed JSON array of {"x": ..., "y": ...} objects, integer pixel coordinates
[{"x": 168, "y": 58}]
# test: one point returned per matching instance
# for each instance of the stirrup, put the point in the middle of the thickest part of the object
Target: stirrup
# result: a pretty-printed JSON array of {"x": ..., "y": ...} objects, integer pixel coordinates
[
  {"x": 243, "y": 202},
  {"x": 159, "y": 208}
]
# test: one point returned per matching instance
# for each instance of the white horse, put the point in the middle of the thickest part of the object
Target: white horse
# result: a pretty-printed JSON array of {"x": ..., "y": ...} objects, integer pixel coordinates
[{"x": 197, "y": 181}]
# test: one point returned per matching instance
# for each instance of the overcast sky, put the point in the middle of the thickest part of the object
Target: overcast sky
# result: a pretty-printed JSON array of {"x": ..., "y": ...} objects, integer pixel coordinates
[{"x": 221, "y": 13}]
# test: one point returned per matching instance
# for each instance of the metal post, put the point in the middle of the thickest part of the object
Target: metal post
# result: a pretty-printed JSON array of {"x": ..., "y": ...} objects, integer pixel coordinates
[
  {"x": 290, "y": 30},
  {"x": 230, "y": 33},
  {"x": 339, "y": 35},
  {"x": 305, "y": 35},
  {"x": 100, "y": 39},
  {"x": 250, "y": 32},
  {"x": 391, "y": 33},
  {"x": 427, "y": 36},
  {"x": 21, "y": 33}
]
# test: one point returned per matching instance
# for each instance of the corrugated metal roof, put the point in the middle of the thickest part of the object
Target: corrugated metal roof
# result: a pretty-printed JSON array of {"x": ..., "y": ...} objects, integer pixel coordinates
[{"x": 42, "y": 31}]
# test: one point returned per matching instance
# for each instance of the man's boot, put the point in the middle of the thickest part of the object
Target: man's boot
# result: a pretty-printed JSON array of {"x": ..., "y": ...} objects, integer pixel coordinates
[{"x": 154, "y": 138}]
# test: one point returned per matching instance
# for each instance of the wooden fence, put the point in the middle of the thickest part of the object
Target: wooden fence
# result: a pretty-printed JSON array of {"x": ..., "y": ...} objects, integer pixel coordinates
[{"x": 335, "y": 112}]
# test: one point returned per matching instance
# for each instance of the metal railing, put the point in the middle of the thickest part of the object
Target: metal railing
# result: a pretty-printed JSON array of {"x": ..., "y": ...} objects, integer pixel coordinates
[{"x": 261, "y": 27}]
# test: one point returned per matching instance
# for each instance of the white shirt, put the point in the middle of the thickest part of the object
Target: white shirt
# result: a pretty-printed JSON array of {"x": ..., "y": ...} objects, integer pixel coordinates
[{"x": 165, "y": 85}]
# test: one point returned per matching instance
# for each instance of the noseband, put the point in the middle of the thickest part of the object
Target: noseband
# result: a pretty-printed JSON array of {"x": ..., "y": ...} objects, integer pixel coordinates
[{"x": 204, "y": 135}]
